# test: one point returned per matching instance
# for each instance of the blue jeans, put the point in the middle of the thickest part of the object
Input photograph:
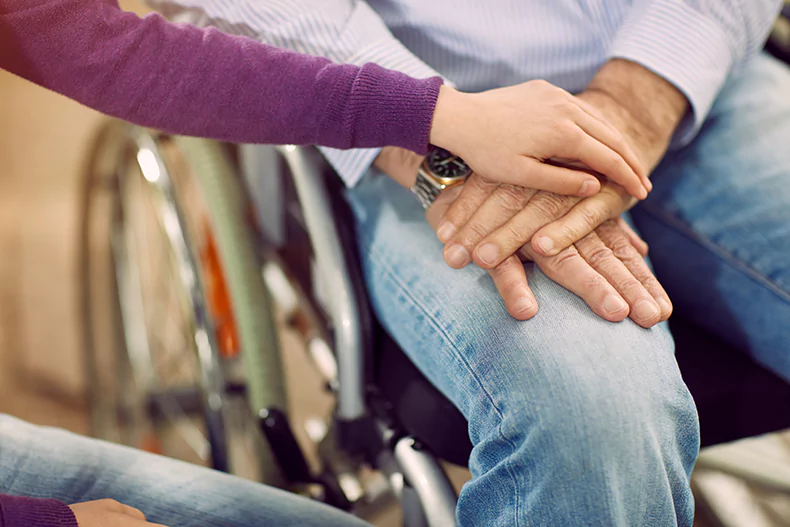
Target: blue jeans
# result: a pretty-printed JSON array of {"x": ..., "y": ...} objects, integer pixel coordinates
[
  {"x": 575, "y": 420},
  {"x": 50, "y": 463}
]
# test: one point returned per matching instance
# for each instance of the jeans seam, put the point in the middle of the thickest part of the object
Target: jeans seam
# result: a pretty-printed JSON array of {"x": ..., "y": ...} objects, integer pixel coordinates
[
  {"x": 722, "y": 252},
  {"x": 459, "y": 356}
]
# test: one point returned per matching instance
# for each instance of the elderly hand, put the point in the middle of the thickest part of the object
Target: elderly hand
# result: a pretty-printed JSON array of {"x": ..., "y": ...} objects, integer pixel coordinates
[
  {"x": 615, "y": 282},
  {"x": 606, "y": 268},
  {"x": 489, "y": 221}
]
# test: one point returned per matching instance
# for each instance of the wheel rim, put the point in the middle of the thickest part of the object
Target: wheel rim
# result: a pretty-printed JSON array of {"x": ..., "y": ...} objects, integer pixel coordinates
[{"x": 166, "y": 392}]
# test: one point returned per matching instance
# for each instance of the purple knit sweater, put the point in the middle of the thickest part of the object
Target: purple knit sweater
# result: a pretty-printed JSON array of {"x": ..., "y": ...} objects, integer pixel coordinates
[
  {"x": 201, "y": 82},
  {"x": 33, "y": 512}
]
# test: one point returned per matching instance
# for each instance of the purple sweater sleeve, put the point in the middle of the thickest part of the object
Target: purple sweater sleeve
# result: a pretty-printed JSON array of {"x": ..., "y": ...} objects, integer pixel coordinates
[
  {"x": 33, "y": 512},
  {"x": 202, "y": 82}
]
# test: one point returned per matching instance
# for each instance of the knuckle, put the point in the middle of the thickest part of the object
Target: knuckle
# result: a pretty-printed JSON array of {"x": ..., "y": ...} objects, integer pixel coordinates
[
  {"x": 622, "y": 249},
  {"x": 481, "y": 183},
  {"x": 563, "y": 260},
  {"x": 615, "y": 162},
  {"x": 630, "y": 287},
  {"x": 460, "y": 209},
  {"x": 651, "y": 283},
  {"x": 568, "y": 232},
  {"x": 509, "y": 281},
  {"x": 599, "y": 256},
  {"x": 511, "y": 197},
  {"x": 474, "y": 232},
  {"x": 590, "y": 216},
  {"x": 541, "y": 84},
  {"x": 515, "y": 234},
  {"x": 549, "y": 205},
  {"x": 573, "y": 136},
  {"x": 594, "y": 282}
]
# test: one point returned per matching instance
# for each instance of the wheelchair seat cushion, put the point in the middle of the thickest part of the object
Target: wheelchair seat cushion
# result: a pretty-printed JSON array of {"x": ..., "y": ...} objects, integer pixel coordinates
[{"x": 421, "y": 410}]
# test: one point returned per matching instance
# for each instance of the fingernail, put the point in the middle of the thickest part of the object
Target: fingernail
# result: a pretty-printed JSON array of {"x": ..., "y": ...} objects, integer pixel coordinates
[
  {"x": 523, "y": 304},
  {"x": 546, "y": 244},
  {"x": 457, "y": 256},
  {"x": 646, "y": 310},
  {"x": 648, "y": 185},
  {"x": 613, "y": 304},
  {"x": 488, "y": 253},
  {"x": 666, "y": 307},
  {"x": 589, "y": 188},
  {"x": 445, "y": 231}
]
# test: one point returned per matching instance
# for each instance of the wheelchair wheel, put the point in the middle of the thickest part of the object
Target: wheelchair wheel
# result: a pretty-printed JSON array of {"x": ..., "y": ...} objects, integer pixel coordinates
[{"x": 178, "y": 327}]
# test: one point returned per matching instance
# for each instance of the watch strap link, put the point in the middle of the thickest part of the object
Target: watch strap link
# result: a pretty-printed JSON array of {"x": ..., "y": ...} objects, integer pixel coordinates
[{"x": 425, "y": 191}]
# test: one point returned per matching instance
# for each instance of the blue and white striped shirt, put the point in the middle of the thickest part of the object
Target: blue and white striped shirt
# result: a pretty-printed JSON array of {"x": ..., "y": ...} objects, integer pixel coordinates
[{"x": 480, "y": 44}]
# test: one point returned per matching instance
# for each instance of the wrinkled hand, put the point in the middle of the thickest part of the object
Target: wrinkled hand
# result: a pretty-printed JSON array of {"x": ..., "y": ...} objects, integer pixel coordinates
[
  {"x": 489, "y": 221},
  {"x": 516, "y": 134},
  {"x": 606, "y": 268},
  {"x": 109, "y": 513}
]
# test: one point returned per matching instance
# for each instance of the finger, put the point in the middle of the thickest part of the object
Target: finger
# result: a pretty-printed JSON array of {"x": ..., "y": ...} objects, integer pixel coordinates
[
  {"x": 616, "y": 239},
  {"x": 580, "y": 221},
  {"x": 473, "y": 193},
  {"x": 443, "y": 202},
  {"x": 511, "y": 282},
  {"x": 570, "y": 271},
  {"x": 633, "y": 237},
  {"x": 542, "y": 209},
  {"x": 501, "y": 205},
  {"x": 611, "y": 137},
  {"x": 131, "y": 511},
  {"x": 602, "y": 159},
  {"x": 644, "y": 310},
  {"x": 533, "y": 173}
]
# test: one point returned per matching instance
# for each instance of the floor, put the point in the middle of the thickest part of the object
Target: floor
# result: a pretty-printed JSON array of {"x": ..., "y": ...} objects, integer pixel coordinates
[{"x": 42, "y": 143}]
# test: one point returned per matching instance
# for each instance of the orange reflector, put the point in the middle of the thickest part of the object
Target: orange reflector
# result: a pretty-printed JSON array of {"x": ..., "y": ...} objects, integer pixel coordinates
[
  {"x": 218, "y": 296},
  {"x": 151, "y": 443}
]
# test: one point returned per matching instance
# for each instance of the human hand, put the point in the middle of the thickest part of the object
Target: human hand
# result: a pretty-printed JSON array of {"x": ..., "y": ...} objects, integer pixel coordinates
[
  {"x": 490, "y": 221},
  {"x": 606, "y": 268},
  {"x": 646, "y": 109},
  {"x": 518, "y": 134},
  {"x": 551, "y": 223},
  {"x": 109, "y": 513}
]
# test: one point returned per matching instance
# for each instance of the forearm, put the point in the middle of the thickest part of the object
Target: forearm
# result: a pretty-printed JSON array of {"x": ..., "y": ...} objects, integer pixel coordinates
[
  {"x": 645, "y": 107},
  {"x": 203, "y": 82}
]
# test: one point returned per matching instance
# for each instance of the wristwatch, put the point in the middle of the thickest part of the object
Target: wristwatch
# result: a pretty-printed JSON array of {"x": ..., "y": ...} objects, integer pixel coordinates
[{"x": 440, "y": 170}]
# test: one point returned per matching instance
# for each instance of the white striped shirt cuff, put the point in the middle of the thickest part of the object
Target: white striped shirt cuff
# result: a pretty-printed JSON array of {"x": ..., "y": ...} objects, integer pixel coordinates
[{"x": 685, "y": 47}]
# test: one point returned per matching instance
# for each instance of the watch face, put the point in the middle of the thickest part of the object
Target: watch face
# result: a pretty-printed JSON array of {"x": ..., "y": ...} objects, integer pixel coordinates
[{"x": 446, "y": 165}]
